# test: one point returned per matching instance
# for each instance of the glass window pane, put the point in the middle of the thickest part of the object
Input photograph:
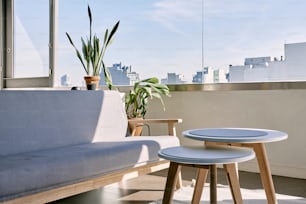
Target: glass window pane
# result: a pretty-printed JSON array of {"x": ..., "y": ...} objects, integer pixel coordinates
[
  {"x": 178, "y": 41},
  {"x": 154, "y": 38},
  {"x": 31, "y": 37},
  {"x": 256, "y": 41}
]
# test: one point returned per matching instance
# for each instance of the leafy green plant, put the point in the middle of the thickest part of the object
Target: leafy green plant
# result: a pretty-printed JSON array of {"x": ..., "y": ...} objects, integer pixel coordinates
[
  {"x": 136, "y": 101},
  {"x": 93, "y": 52}
]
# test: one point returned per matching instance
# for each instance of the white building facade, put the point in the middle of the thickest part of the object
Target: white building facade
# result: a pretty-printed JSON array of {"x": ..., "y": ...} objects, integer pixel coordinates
[
  {"x": 263, "y": 69},
  {"x": 209, "y": 75}
]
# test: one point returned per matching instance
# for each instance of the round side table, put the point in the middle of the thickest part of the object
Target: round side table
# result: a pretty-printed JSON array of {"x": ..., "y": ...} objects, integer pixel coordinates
[
  {"x": 245, "y": 137},
  {"x": 205, "y": 159}
]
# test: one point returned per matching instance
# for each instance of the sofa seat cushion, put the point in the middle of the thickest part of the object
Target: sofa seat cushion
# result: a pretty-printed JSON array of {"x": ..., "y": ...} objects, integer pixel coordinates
[{"x": 26, "y": 173}]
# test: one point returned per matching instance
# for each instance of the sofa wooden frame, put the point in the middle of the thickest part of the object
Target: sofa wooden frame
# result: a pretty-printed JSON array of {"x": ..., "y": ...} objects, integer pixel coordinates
[{"x": 95, "y": 183}]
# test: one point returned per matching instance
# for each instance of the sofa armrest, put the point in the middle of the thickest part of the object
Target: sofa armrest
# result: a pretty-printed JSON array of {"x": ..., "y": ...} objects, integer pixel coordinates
[{"x": 134, "y": 124}]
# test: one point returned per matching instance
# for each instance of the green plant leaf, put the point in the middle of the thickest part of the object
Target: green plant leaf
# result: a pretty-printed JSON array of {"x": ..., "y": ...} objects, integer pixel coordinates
[
  {"x": 96, "y": 60},
  {"x": 90, "y": 22},
  {"x": 105, "y": 36},
  {"x": 77, "y": 52},
  {"x": 112, "y": 33},
  {"x": 86, "y": 49},
  {"x": 158, "y": 96},
  {"x": 108, "y": 77}
]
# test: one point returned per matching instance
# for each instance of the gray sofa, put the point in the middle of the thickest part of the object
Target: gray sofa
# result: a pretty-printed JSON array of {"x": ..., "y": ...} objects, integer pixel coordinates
[{"x": 55, "y": 144}]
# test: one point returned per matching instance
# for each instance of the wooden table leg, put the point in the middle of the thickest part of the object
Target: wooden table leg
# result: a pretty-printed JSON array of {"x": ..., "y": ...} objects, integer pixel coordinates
[
  {"x": 265, "y": 172},
  {"x": 198, "y": 189},
  {"x": 264, "y": 168},
  {"x": 233, "y": 181},
  {"x": 179, "y": 182},
  {"x": 213, "y": 184},
  {"x": 173, "y": 173}
]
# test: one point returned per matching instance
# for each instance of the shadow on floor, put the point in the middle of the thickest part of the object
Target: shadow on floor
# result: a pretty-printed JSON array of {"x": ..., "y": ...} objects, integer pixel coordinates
[{"x": 145, "y": 190}]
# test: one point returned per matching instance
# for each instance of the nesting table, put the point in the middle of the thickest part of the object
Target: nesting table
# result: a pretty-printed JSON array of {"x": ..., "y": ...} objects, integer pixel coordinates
[
  {"x": 245, "y": 137},
  {"x": 205, "y": 159}
]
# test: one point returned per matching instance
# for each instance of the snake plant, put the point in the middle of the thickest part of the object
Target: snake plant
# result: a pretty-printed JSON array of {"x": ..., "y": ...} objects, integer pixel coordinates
[{"x": 93, "y": 52}]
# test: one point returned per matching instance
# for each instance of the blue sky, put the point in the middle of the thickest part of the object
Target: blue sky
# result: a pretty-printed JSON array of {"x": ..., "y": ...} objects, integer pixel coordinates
[
  {"x": 160, "y": 36},
  {"x": 238, "y": 28}
]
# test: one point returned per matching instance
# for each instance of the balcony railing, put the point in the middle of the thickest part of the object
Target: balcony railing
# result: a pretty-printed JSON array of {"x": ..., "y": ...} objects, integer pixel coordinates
[{"x": 268, "y": 108}]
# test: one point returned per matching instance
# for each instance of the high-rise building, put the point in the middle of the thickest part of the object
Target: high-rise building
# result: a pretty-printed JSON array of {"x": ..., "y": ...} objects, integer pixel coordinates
[
  {"x": 173, "y": 78},
  {"x": 209, "y": 75},
  {"x": 133, "y": 76},
  {"x": 65, "y": 80},
  {"x": 220, "y": 76},
  {"x": 259, "y": 69},
  {"x": 121, "y": 75},
  {"x": 203, "y": 76}
]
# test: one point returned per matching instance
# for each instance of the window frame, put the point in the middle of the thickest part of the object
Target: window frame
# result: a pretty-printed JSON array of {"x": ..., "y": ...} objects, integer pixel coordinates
[
  {"x": 2, "y": 21},
  {"x": 7, "y": 66},
  {"x": 8, "y": 79}
]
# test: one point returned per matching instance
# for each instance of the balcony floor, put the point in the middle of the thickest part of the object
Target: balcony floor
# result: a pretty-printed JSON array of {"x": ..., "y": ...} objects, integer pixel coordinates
[{"x": 149, "y": 188}]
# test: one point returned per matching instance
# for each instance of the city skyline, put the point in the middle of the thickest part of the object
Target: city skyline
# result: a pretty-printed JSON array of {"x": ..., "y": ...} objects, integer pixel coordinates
[{"x": 288, "y": 67}]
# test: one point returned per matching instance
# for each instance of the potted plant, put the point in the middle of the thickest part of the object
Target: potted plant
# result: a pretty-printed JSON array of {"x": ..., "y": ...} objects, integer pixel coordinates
[
  {"x": 93, "y": 52},
  {"x": 137, "y": 100}
]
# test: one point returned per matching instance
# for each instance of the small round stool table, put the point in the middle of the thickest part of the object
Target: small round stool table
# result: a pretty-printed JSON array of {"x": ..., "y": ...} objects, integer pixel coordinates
[
  {"x": 204, "y": 158},
  {"x": 244, "y": 137}
]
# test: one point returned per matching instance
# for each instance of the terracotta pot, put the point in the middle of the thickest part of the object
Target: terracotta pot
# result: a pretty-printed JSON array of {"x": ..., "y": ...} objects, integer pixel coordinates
[
  {"x": 92, "y": 82},
  {"x": 135, "y": 130}
]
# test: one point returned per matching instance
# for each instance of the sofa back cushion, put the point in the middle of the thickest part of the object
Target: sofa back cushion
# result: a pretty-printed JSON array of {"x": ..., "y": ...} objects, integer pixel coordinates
[
  {"x": 112, "y": 124},
  {"x": 40, "y": 120}
]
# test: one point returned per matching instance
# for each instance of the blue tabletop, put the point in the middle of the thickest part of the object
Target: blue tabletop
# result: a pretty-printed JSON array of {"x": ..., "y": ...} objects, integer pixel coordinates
[
  {"x": 206, "y": 155},
  {"x": 239, "y": 135}
]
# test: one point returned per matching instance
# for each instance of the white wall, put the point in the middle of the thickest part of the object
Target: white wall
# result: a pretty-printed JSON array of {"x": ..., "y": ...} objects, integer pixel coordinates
[{"x": 283, "y": 110}]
